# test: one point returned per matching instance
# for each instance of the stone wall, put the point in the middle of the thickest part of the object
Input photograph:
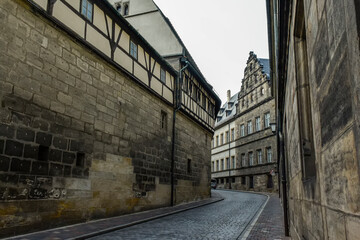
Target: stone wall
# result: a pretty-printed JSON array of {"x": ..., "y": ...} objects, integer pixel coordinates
[
  {"x": 327, "y": 205},
  {"x": 80, "y": 139}
]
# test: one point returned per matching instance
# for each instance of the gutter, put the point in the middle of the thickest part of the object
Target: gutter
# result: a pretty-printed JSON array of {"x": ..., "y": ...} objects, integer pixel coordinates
[{"x": 177, "y": 107}]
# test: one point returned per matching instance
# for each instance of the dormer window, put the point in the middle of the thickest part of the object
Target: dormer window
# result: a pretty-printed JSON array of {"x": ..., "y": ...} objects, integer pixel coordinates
[
  {"x": 118, "y": 8},
  {"x": 228, "y": 112},
  {"x": 218, "y": 119},
  {"x": 126, "y": 9}
]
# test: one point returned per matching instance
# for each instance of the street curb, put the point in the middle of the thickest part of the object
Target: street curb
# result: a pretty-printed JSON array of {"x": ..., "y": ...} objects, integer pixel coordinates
[
  {"x": 107, "y": 230},
  {"x": 118, "y": 227},
  {"x": 244, "y": 235}
]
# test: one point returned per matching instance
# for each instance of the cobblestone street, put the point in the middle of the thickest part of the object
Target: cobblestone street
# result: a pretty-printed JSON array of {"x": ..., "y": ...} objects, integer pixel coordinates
[{"x": 227, "y": 219}]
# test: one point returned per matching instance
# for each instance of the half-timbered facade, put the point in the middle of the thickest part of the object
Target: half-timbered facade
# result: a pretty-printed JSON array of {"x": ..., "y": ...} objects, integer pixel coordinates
[
  {"x": 197, "y": 98},
  {"x": 90, "y": 113}
]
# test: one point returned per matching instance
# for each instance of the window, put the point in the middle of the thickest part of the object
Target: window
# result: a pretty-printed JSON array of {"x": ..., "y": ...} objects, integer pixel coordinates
[
  {"x": 303, "y": 90},
  {"x": 243, "y": 160},
  {"x": 163, "y": 120},
  {"x": 204, "y": 101},
  {"x": 80, "y": 159},
  {"x": 233, "y": 161},
  {"x": 267, "y": 120},
  {"x": 251, "y": 159},
  {"x": 133, "y": 49},
  {"x": 222, "y": 164},
  {"x": 198, "y": 95},
  {"x": 262, "y": 91},
  {"x": 227, "y": 136},
  {"x": 243, "y": 180},
  {"x": 242, "y": 130},
  {"x": 232, "y": 134},
  {"x": 259, "y": 156},
  {"x": 217, "y": 165},
  {"x": 213, "y": 166},
  {"x": 163, "y": 75},
  {"x": 185, "y": 83},
  {"x": 126, "y": 9},
  {"x": 257, "y": 124},
  {"x": 228, "y": 112},
  {"x": 43, "y": 154},
  {"x": 189, "y": 166},
  {"x": 269, "y": 154},
  {"x": 227, "y": 163},
  {"x": 87, "y": 9},
  {"x": 221, "y": 139},
  {"x": 118, "y": 7},
  {"x": 217, "y": 140},
  {"x": 250, "y": 129}
]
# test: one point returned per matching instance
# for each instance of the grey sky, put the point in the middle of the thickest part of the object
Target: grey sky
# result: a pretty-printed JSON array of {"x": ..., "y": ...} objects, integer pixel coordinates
[{"x": 219, "y": 35}]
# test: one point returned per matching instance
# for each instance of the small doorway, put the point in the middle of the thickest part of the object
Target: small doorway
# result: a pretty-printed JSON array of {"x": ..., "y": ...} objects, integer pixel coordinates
[
  {"x": 251, "y": 182},
  {"x": 270, "y": 183}
]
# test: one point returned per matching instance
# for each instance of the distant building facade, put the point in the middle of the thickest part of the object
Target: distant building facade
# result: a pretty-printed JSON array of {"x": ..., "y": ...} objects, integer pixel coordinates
[
  {"x": 244, "y": 146},
  {"x": 315, "y": 62},
  {"x": 91, "y": 120}
]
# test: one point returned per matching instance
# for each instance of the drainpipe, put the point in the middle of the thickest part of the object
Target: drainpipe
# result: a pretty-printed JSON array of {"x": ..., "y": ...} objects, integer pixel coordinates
[
  {"x": 177, "y": 107},
  {"x": 283, "y": 177},
  {"x": 229, "y": 157}
]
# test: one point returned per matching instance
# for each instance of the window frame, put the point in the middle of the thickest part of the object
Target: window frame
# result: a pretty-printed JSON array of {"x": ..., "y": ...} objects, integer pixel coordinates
[
  {"x": 249, "y": 127},
  {"x": 259, "y": 156},
  {"x": 267, "y": 120},
  {"x": 242, "y": 130},
  {"x": 269, "y": 153},
  {"x": 163, "y": 75},
  {"x": 257, "y": 124},
  {"x": 88, "y": 3},
  {"x": 251, "y": 159},
  {"x": 133, "y": 49}
]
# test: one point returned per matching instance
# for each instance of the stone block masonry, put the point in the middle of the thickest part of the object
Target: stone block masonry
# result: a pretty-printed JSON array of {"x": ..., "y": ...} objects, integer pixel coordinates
[{"x": 79, "y": 139}]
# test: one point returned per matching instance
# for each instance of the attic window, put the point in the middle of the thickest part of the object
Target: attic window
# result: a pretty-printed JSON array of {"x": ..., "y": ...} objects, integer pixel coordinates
[
  {"x": 118, "y": 7},
  {"x": 126, "y": 9},
  {"x": 228, "y": 112},
  {"x": 230, "y": 104},
  {"x": 219, "y": 119}
]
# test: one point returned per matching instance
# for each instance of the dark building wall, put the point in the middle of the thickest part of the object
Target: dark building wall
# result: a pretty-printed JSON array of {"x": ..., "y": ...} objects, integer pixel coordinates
[
  {"x": 319, "y": 117},
  {"x": 74, "y": 130}
]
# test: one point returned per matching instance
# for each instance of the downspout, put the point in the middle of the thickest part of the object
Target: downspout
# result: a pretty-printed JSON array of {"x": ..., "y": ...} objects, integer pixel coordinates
[
  {"x": 177, "y": 107},
  {"x": 229, "y": 157},
  {"x": 283, "y": 181}
]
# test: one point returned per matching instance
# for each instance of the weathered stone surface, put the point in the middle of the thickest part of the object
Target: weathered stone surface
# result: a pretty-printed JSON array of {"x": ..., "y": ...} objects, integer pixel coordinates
[{"x": 72, "y": 128}]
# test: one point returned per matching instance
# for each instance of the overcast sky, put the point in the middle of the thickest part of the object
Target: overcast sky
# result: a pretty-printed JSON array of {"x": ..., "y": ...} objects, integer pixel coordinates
[{"x": 219, "y": 35}]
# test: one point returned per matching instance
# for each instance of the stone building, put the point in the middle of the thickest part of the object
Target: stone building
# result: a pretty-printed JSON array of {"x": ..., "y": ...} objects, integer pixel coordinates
[
  {"x": 91, "y": 120},
  {"x": 315, "y": 62},
  {"x": 244, "y": 152}
]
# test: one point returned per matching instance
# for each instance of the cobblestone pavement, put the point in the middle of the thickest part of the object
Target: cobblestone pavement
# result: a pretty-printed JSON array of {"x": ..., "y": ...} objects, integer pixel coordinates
[
  {"x": 227, "y": 219},
  {"x": 270, "y": 224}
]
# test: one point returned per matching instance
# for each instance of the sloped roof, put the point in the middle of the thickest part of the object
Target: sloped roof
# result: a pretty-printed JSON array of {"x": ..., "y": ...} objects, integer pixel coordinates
[
  {"x": 266, "y": 66},
  {"x": 229, "y": 107}
]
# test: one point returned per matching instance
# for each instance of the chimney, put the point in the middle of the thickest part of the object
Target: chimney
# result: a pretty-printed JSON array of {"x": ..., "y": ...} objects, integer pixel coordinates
[{"x": 228, "y": 95}]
